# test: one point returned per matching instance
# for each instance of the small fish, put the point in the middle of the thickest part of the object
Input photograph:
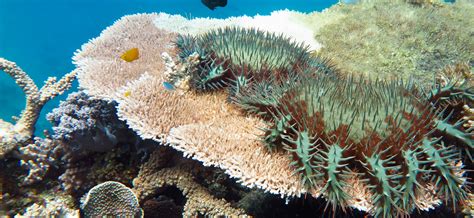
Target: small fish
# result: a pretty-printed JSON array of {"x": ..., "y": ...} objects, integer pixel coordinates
[
  {"x": 212, "y": 4},
  {"x": 168, "y": 86},
  {"x": 127, "y": 93},
  {"x": 130, "y": 55}
]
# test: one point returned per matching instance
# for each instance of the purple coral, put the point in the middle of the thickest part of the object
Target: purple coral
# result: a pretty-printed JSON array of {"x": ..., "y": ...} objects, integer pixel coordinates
[{"x": 89, "y": 124}]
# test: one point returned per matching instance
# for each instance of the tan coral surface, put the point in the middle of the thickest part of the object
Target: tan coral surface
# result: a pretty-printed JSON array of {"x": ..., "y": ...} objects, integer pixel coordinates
[{"x": 101, "y": 70}]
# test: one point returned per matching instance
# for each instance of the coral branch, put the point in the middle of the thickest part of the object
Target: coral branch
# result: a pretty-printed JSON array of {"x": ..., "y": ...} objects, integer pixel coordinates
[{"x": 35, "y": 100}]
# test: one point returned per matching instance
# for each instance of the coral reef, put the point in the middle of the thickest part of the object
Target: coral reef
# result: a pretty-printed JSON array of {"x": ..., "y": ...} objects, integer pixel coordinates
[
  {"x": 273, "y": 127},
  {"x": 18, "y": 134},
  {"x": 206, "y": 127},
  {"x": 111, "y": 199}
]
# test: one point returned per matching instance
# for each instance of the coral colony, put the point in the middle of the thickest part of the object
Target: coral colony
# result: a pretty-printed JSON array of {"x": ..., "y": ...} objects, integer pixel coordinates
[{"x": 231, "y": 115}]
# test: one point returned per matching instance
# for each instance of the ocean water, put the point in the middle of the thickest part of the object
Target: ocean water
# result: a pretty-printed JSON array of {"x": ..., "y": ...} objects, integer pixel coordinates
[{"x": 42, "y": 35}]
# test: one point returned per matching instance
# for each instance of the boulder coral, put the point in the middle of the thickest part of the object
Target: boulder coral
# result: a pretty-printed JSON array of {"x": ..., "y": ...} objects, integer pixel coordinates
[{"x": 111, "y": 199}]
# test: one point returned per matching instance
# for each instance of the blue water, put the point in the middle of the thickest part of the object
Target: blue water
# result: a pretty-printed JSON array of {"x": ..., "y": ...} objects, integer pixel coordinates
[{"x": 41, "y": 35}]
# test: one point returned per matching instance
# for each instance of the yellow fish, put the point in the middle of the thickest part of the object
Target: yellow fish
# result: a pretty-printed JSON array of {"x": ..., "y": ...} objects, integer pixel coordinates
[
  {"x": 127, "y": 93},
  {"x": 130, "y": 55}
]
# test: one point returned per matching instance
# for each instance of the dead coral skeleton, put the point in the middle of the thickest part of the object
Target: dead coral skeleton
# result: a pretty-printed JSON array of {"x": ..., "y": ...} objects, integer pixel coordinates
[
  {"x": 199, "y": 201},
  {"x": 12, "y": 135}
]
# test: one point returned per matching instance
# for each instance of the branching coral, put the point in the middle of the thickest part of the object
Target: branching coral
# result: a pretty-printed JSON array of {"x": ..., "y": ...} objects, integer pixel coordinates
[
  {"x": 36, "y": 98},
  {"x": 199, "y": 201},
  {"x": 38, "y": 158}
]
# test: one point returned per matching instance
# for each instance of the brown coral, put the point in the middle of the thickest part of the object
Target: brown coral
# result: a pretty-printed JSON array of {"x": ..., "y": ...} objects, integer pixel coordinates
[{"x": 199, "y": 200}]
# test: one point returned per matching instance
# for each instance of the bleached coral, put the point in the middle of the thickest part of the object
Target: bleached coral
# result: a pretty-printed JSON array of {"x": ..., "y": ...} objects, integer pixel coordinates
[
  {"x": 284, "y": 22},
  {"x": 23, "y": 129},
  {"x": 101, "y": 70}
]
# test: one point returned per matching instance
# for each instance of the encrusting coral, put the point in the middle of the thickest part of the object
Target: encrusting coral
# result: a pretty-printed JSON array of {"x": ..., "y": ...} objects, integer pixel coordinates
[
  {"x": 111, "y": 199},
  {"x": 12, "y": 135},
  {"x": 394, "y": 39},
  {"x": 154, "y": 174}
]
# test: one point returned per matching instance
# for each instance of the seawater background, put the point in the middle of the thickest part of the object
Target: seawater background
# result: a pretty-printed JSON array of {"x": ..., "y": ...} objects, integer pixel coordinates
[{"x": 42, "y": 35}]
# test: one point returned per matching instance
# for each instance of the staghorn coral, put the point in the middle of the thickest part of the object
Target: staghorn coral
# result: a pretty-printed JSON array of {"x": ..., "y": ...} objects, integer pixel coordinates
[
  {"x": 17, "y": 134},
  {"x": 111, "y": 199},
  {"x": 154, "y": 175}
]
